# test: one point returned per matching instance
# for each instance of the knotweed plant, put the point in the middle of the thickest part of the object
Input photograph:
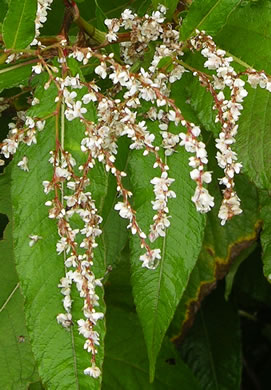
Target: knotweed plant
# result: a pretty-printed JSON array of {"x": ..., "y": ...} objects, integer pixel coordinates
[{"x": 106, "y": 88}]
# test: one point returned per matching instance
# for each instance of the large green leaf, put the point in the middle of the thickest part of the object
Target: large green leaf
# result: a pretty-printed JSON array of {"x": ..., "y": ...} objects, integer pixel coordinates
[
  {"x": 247, "y": 35},
  {"x": 17, "y": 365},
  {"x": 213, "y": 346},
  {"x": 59, "y": 353},
  {"x": 254, "y": 138},
  {"x": 157, "y": 292},
  {"x": 126, "y": 361},
  {"x": 208, "y": 15},
  {"x": 19, "y": 24},
  {"x": 11, "y": 76},
  {"x": 221, "y": 245}
]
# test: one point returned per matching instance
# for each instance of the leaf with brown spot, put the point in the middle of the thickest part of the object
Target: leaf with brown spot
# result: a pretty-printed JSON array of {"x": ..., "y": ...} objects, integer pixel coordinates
[{"x": 222, "y": 244}]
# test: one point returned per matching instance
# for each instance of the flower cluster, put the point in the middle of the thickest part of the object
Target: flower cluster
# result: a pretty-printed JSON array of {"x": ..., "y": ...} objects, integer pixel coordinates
[
  {"x": 41, "y": 16},
  {"x": 143, "y": 30},
  {"x": 24, "y": 130},
  {"x": 162, "y": 194},
  {"x": 202, "y": 199},
  {"x": 229, "y": 111},
  {"x": 138, "y": 95},
  {"x": 77, "y": 245}
]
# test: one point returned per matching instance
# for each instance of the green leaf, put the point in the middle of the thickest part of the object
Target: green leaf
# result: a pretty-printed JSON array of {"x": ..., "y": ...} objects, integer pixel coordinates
[
  {"x": 3, "y": 10},
  {"x": 213, "y": 346},
  {"x": 254, "y": 138},
  {"x": 100, "y": 17},
  {"x": 266, "y": 234},
  {"x": 208, "y": 15},
  {"x": 157, "y": 292},
  {"x": 221, "y": 245},
  {"x": 126, "y": 362},
  {"x": 247, "y": 35},
  {"x": 115, "y": 237},
  {"x": 59, "y": 353},
  {"x": 17, "y": 364},
  {"x": 202, "y": 103},
  {"x": 19, "y": 24},
  {"x": 11, "y": 76}
]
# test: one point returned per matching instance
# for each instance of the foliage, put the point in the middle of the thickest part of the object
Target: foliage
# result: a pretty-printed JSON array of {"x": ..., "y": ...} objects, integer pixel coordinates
[{"x": 157, "y": 111}]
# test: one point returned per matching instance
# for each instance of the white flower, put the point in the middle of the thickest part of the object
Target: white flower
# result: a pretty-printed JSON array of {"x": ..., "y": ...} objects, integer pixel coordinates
[
  {"x": 40, "y": 125},
  {"x": 9, "y": 147},
  {"x": 73, "y": 82},
  {"x": 203, "y": 200},
  {"x": 35, "y": 101},
  {"x": 62, "y": 245},
  {"x": 93, "y": 371},
  {"x": 101, "y": 70},
  {"x": 47, "y": 186},
  {"x": 33, "y": 239},
  {"x": 69, "y": 97},
  {"x": 89, "y": 97},
  {"x": 76, "y": 111},
  {"x": 162, "y": 183},
  {"x": 61, "y": 172},
  {"x": 37, "y": 68},
  {"x": 124, "y": 210},
  {"x": 64, "y": 319},
  {"x": 23, "y": 164},
  {"x": 150, "y": 258},
  {"x": 111, "y": 36},
  {"x": 67, "y": 303},
  {"x": 94, "y": 316}
]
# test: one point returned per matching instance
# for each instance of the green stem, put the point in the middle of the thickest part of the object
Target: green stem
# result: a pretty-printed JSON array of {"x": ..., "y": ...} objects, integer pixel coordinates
[
  {"x": 94, "y": 33},
  {"x": 97, "y": 35}
]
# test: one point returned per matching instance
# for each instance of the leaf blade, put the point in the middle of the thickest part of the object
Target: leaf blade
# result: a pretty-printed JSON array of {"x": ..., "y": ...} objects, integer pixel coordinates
[
  {"x": 158, "y": 292},
  {"x": 14, "y": 75},
  {"x": 17, "y": 364},
  {"x": 211, "y": 349},
  {"x": 256, "y": 143},
  {"x": 59, "y": 353},
  {"x": 209, "y": 16},
  {"x": 124, "y": 344},
  {"x": 19, "y": 26}
]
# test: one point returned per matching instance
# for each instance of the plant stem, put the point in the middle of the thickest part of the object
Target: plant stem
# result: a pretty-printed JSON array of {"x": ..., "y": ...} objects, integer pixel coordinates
[{"x": 94, "y": 33}]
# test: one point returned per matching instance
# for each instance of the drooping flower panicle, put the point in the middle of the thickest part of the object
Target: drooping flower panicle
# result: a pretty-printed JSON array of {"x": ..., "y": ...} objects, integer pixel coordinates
[{"x": 138, "y": 95}]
